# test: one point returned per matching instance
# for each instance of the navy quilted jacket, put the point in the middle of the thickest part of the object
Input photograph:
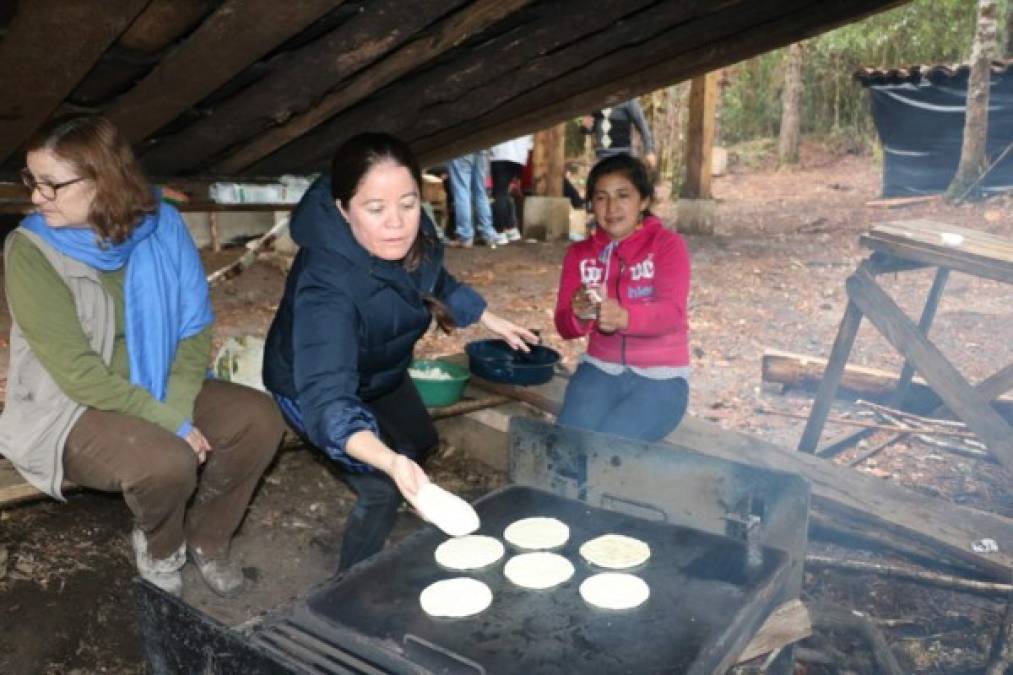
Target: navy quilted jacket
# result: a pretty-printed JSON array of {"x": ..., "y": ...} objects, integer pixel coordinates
[{"x": 348, "y": 322}]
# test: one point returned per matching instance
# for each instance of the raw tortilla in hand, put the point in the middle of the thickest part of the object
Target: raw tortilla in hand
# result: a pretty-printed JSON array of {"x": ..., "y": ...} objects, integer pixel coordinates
[
  {"x": 446, "y": 510},
  {"x": 614, "y": 590},
  {"x": 470, "y": 552},
  {"x": 455, "y": 598},
  {"x": 538, "y": 570},
  {"x": 615, "y": 551},
  {"x": 537, "y": 533}
]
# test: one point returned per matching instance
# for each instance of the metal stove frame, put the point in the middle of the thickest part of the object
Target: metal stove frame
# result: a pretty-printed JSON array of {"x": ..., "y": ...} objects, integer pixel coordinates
[{"x": 680, "y": 486}]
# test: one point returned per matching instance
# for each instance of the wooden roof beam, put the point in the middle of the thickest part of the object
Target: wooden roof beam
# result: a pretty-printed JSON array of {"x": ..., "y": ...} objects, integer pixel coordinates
[
  {"x": 237, "y": 34},
  {"x": 449, "y": 33},
  {"x": 554, "y": 26},
  {"x": 588, "y": 90},
  {"x": 49, "y": 47},
  {"x": 162, "y": 22},
  {"x": 296, "y": 81}
]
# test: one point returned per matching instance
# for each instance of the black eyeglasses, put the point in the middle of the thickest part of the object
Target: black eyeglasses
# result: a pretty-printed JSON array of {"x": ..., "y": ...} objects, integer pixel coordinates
[{"x": 46, "y": 189}]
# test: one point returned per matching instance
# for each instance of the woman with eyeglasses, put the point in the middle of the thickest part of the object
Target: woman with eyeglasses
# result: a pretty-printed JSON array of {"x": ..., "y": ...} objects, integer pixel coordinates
[{"x": 110, "y": 342}]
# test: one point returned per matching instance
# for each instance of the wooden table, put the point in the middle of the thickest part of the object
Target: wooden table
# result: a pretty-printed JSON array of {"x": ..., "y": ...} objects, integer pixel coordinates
[{"x": 907, "y": 245}]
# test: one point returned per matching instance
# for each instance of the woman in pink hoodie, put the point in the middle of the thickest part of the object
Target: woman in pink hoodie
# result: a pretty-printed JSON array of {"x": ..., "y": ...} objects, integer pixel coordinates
[{"x": 626, "y": 287}]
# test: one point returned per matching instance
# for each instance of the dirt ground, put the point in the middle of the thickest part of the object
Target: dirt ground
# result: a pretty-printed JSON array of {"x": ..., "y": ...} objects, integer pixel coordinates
[{"x": 771, "y": 277}]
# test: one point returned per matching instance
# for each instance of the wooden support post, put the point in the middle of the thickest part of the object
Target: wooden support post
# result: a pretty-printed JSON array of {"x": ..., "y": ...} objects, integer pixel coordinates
[
  {"x": 547, "y": 162},
  {"x": 907, "y": 372},
  {"x": 924, "y": 324},
  {"x": 216, "y": 241},
  {"x": 700, "y": 137},
  {"x": 695, "y": 207},
  {"x": 960, "y": 397},
  {"x": 831, "y": 378}
]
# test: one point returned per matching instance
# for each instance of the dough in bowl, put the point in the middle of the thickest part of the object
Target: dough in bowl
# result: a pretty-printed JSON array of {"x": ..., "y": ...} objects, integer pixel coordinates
[
  {"x": 614, "y": 590},
  {"x": 538, "y": 570},
  {"x": 470, "y": 552},
  {"x": 455, "y": 598},
  {"x": 537, "y": 533},
  {"x": 615, "y": 551},
  {"x": 446, "y": 510}
]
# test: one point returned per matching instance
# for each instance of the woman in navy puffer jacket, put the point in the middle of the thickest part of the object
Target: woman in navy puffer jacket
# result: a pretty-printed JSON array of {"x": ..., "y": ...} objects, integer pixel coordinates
[{"x": 364, "y": 287}]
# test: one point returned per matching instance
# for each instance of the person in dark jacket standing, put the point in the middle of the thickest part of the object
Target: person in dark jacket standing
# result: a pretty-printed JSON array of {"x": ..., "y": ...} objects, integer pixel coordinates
[
  {"x": 364, "y": 287},
  {"x": 612, "y": 128}
]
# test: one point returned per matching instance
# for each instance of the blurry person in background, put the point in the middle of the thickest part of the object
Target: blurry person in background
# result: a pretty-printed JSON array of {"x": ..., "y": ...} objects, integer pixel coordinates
[
  {"x": 612, "y": 128},
  {"x": 506, "y": 163}
]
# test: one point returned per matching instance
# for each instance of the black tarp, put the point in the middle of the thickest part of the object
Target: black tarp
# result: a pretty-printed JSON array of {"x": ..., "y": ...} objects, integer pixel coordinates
[{"x": 920, "y": 120}]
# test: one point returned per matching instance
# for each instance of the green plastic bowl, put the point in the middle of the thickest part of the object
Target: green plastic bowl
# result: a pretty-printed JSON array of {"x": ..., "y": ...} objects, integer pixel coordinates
[{"x": 437, "y": 393}]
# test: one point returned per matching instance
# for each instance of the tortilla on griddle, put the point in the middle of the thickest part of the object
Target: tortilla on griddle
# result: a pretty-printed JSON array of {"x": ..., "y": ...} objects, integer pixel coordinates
[
  {"x": 455, "y": 598},
  {"x": 537, "y": 533}
]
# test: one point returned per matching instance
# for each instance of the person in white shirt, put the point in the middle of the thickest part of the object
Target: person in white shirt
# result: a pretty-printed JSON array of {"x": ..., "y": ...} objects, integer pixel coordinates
[{"x": 507, "y": 162}]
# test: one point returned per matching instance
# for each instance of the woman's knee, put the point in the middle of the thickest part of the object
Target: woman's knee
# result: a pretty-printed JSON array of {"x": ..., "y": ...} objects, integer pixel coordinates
[
  {"x": 168, "y": 473},
  {"x": 228, "y": 413}
]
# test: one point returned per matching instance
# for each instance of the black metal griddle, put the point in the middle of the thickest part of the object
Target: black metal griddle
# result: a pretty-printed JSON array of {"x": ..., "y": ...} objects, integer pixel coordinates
[
  {"x": 701, "y": 586},
  {"x": 727, "y": 540}
]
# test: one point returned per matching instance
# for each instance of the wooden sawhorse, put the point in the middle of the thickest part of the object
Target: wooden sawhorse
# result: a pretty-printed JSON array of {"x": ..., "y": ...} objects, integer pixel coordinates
[{"x": 908, "y": 245}]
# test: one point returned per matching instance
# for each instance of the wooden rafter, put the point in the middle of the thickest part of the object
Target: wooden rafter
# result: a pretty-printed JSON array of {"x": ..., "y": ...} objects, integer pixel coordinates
[
  {"x": 552, "y": 28},
  {"x": 200, "y": 65},
  {"x": 720, "y": 38},
  {"x": 50, "y": 45},
  {"x": 448, "y": 34},
  {"x": 162, "y": 22},
  {"x": 295, "y": 81}
]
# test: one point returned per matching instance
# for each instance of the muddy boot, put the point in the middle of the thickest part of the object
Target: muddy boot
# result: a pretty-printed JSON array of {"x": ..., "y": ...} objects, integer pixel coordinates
[
  {"x": 164, "y": 573},
  {"x": 222, "y": 575}
]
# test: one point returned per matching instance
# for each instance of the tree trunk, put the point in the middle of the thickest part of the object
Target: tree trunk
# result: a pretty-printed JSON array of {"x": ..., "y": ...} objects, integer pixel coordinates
[
  {"x": 1008, "y": 50},
  {"x": 972, "y": 154},
  {"x": 787, "y": 146}
]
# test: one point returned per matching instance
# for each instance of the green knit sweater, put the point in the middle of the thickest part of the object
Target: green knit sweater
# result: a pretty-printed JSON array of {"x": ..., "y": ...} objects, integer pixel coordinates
[{"x": 45, "y": 311}]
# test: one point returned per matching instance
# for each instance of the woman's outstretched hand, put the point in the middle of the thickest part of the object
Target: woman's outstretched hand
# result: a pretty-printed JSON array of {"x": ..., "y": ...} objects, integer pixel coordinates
[
  {"x": 407, "y": 476},
  {"x": 515, "y": 336}
]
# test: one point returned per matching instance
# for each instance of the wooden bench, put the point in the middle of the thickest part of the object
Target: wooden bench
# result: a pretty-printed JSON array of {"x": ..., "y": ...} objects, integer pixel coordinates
[{"x": 902, "y": 246}]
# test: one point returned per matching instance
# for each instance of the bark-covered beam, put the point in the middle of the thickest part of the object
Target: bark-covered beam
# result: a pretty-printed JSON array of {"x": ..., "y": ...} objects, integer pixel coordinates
[
  {"x": 550, "y": 28},
  {"x": 199, "y": 66},
  {"x": 449, "y": 33},
  {"x": 294, "y": 82},
  {"x": 50, "y": 45},
  {"x": 717, "y": 40}
]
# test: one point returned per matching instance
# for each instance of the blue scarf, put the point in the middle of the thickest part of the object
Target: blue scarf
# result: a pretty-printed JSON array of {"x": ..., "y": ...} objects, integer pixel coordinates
[{"x": 166, "y": 292}]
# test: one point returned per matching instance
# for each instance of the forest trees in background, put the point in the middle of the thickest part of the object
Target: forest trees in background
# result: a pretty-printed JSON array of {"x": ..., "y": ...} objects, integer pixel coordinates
[
  {"x": 920, "y": 32},
  {"x": 973, "y": 160},
  {"x": 791, "y": 115},
  {"x": 832, "y": 103}
]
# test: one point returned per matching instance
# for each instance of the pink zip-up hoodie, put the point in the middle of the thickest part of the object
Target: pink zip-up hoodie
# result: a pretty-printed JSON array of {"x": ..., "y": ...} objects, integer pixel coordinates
[{"x": 648, "y": 273}]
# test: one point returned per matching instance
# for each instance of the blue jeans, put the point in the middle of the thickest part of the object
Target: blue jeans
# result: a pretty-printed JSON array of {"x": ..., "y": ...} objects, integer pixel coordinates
[
  {"x": 628, "y": 405},
  {"x": 467, "y": 182}
]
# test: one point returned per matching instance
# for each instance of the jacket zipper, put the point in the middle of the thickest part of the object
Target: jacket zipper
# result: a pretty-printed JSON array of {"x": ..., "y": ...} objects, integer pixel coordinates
[{"x": 619, "y": 300}]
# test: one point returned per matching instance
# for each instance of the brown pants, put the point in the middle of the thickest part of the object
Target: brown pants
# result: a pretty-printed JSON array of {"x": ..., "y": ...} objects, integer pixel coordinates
[{"x": 157, "y": 471}]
